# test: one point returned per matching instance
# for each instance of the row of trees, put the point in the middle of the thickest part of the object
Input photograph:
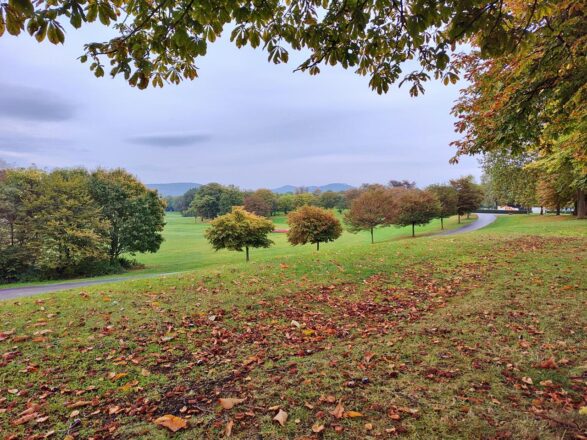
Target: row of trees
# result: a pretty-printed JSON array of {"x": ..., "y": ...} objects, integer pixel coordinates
[
  {"x": 72, "y": 222},
  {"x": 371, "y": 206}
]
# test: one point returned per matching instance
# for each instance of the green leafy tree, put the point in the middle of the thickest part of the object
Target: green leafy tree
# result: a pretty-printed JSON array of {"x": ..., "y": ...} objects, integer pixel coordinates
[
  {"x": 469, "y": 195},
  {"x": 372, "y": 208},
  {"x": 69, "y": 227},
  {"x": 286, "y": 203},
  {"x": 305, "y": 199},
  {"x": 159, "y": 42},
  {"x": 310, "y": 224},
  {"x": 414, "y": 207},
  {"x": 135, "y": 214},
  {"x": 330, "y": 199},
  {"x": 239, "y": 229},
  {"x": 448, "y": 198},
  {"x": 229, "y": 197},
  {"x": 531, "y": 101}
]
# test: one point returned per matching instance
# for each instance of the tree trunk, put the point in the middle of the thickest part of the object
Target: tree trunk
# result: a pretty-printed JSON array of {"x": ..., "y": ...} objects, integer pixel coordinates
[
  {"x": 441, "y": 223},
  {"x": 468, "y": 215},
  {"x": 317, "y": 245},
  {"x": 542, "y": 210},
  {"x": 247, "y": 252},
  {"x": 413, "y": 231},
  {"x": 372, "y": 236},
  {"x": 558, "y": 209},
  {"x": 459, "y": 218},
  {"x": 581, "y": 204}
]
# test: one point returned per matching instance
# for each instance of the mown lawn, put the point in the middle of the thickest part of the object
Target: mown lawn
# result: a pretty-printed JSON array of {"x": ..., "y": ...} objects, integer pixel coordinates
[{"x": 474, "y": 336}]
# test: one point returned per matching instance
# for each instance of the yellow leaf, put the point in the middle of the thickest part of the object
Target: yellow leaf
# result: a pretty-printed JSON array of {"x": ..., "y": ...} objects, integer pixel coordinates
[
  {"x": 583, "y": 410},
  {"x": 353, "y": 414}
]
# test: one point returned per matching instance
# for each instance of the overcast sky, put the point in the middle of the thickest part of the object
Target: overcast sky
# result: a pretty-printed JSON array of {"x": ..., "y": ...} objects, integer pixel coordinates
[{"x": 243, "y": 121}]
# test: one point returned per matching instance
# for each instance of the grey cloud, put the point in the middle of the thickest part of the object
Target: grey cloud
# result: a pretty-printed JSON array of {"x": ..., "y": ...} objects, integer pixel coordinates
[
  {"x": 30, "y": 144},
  {"x": 169, "y": 140},
  {"x": 33, "y": 104}
]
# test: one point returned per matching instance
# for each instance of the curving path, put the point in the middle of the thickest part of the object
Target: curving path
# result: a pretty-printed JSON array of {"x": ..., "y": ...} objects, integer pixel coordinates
[
  {"x": 482, "y": 221},
  {"x": 18, "y": 292}
]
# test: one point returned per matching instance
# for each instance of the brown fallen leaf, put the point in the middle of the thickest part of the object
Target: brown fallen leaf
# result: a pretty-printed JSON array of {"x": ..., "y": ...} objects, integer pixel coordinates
[
  {"x": 281, "y": 417},
  {"x": 229, "y": 402},
  {"x": 548, "y": 364},
  {"x": 228, "y": 428},
  {"x": 171, "y": 422},
  {"x": 25, "y": 419},
  {"x": 338, "y": 412},
  {"x": 317, "y": 427}
]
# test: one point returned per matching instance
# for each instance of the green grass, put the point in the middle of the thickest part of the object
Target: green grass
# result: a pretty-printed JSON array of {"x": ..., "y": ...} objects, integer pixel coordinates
[
  {"x": 438, "y": 337},
  {"x": 185, "y": 248}
]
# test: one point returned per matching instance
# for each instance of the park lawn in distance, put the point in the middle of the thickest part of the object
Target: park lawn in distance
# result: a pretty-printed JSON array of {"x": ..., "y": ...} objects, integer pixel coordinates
[
  {"x": 185, "y": 247},
  {"x": 480, "y": 335}
]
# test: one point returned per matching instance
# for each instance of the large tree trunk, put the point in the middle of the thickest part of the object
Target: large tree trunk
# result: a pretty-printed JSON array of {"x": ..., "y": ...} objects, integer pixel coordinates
[
  {"x": 581, "y": 204},
  {"x": 247, "y": 252}
]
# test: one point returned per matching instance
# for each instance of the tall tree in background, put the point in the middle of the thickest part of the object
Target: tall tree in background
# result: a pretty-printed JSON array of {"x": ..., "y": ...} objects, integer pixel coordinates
[
  {"x": 414, "y": 207},
  {"x": 258, "y": 205},
  {"x": 135, "y": 214},
  {"x": 372, "y": 208},
  {"x": 330, "y": 199},
  {"x": 533, "y": 100},
  {"x": 448, "y": 200},
  {"x": 510, "y": 180},
  {"x": 469, "y": 195},
  {"x": 239, "y": 229},
  {"x": 310, "y": 224}
]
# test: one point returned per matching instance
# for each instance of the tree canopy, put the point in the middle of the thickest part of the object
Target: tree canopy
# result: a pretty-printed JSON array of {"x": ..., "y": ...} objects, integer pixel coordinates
[
  {"x": 371, "y": 208},
  {"x": 414, "y": 207},
  {"x": 239, "y": 229},
  {"x": 158, "y": 42},
  {"x": 310, "y": 224}
]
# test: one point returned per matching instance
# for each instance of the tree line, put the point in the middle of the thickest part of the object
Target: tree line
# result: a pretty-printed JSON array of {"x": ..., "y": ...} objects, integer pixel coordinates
[
  {"x": 370, "y": 206},
  {"x": 72, "y": 222}
]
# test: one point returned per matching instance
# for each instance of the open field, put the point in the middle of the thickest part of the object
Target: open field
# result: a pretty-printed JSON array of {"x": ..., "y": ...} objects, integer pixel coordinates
[
  {"x": 473, "y": 336},
  {"x": 185, "y": 247}
]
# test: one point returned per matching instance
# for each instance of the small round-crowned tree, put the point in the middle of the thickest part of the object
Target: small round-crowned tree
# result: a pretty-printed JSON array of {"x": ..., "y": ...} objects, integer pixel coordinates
[
  {"x": 415, "y": 207},
  {"x": 310, "y": 224},
  {"x": 372, "y": 208},
  {"x": 239, "y": 229}
]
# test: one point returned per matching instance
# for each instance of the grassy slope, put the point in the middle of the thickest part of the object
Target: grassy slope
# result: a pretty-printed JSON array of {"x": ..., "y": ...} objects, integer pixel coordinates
[{"x": 437, "y": 337}]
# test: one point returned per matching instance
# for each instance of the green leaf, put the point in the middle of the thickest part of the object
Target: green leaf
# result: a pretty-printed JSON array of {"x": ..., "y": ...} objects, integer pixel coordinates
[{"x": 24, "y": 6}]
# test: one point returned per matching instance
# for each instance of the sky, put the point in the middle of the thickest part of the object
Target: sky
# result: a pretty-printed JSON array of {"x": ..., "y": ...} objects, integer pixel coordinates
[{"x": 244, "y": 121}]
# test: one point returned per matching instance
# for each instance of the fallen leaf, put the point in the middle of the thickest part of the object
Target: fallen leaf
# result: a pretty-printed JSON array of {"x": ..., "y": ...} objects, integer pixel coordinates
[
  {"x": 338, "y": 412},
  {"x": 228, "y": 428},
  {"x": 317, "y": 427},
  {"x": 281, "y": 417},
  {"x": 229, "y": 402},
  {"x": 548, "y": 364},
  {"x": 171, "y": 422},
  {"x": 353, "y": 414},
  {"x": 527, "y": 380}
]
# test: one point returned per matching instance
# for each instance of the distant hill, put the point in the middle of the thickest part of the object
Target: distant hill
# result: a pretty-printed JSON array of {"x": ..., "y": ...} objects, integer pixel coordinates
[
  {"x": 173, "y": 189},
  {"x": 330, "y": 187}
]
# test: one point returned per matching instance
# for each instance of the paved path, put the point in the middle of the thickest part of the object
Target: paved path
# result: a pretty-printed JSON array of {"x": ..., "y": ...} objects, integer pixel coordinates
[
  {"x": 482, "y": 221},
  {"x": 18, "y": 292}
]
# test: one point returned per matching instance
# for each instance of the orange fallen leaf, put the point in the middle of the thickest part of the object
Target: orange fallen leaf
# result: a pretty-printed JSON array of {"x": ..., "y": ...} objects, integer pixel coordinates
[
  {"x": 281, "y": 417},
  {"x": 171, "y": 422},
  {"x": 353, "y": 414},
  {"x": 229, "y": 402},
  {"x": 548, "y": 364}
]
